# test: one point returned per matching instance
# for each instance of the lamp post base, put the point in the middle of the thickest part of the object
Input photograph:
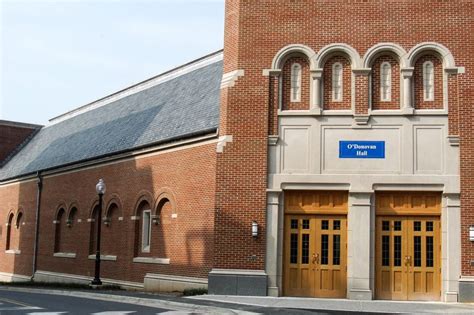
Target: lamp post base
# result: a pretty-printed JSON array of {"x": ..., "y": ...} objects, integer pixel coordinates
[{"x": 95, "y": 283}]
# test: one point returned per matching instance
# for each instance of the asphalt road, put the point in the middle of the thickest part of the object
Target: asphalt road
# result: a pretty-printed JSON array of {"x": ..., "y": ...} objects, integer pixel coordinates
[
  {"x": 17, "y": 302},
  {"x": 12, "y": 302}
]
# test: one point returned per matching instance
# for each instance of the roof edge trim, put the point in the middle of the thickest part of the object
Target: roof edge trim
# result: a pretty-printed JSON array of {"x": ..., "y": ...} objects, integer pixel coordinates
[{"x": 146, "y": 84}]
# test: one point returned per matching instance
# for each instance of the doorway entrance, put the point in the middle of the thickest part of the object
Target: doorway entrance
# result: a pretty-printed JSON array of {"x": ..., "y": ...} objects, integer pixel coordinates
[
  {"x": 315, "y": 245},
  {"x": 408, "y": 248}
]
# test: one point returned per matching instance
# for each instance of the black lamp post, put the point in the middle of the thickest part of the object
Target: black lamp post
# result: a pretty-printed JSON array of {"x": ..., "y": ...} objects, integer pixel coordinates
[{"x": 100, "y": 189}]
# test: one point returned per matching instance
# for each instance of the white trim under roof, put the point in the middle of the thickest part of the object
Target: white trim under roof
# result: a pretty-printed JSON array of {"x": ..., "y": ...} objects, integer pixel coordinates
[{"x": 161, "y": 78}]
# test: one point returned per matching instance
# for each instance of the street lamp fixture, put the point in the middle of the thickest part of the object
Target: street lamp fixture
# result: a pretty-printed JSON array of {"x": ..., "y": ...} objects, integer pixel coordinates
[{"x": 100, "y": 189}]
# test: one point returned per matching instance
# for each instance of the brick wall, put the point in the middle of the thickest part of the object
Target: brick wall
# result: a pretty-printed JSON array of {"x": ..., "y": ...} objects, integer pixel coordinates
[
  {"x": 186, "y": 176},
  {"x": 256, "y": 31},
  {"x": 11, "y": 137}
]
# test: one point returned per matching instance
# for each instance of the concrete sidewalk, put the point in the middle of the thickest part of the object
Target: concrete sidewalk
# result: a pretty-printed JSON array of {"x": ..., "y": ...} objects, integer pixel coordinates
[{"x": 396, "y": 307}]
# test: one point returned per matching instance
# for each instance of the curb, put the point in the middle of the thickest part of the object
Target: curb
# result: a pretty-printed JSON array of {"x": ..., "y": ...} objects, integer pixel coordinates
[{"x": 154, "y": 303}]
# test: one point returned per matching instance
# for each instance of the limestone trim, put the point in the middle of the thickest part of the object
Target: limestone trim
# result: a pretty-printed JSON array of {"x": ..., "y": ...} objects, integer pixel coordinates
[
  {"x": 152, "y": 260},
  {"x": 222, "y": 142},
  {"x": 283, "y": 53},
  {"x": 103, "y": 257},
  {"x": 378, "y": 49},
  {"x": 64, "y": 255},
  {"x": 13, "y": 251},
  {"x": 229, "y": 78},
  {"x": 329, "y": 50},
  {"x": 446, "y": 56}
]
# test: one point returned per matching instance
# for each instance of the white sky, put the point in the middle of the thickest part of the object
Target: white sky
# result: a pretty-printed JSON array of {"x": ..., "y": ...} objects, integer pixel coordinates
[{"x": 58, "y": 55}]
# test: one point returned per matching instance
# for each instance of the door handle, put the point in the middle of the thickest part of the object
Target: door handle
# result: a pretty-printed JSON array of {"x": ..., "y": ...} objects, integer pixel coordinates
[
  {"x": 408, "y": 260},
  {"x": 315, "y": 258}
]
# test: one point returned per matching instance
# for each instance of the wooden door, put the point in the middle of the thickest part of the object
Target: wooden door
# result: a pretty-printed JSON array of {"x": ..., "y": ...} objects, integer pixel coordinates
[
  {"x": 390, "y": 253},
  {"x": 315, "y": 256},
  {"x": 424, "y": 258},
  {"x": 330, "y": 254},
  {"x": 299, "y": 279},
  {"x": 408, "y": 258}
]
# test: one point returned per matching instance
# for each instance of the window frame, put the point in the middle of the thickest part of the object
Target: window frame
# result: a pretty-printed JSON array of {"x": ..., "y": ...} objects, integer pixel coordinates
[
  {"x": 295, "y": 83},
  {"x": 146, "y": 247},
  {"x": 341, "y": 81},
  {"x": 386, "y": 95},
  {"x": 430, "y": 97}
]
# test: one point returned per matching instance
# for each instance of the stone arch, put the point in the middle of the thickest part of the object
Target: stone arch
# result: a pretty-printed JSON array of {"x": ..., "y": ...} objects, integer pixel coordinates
[
  {"x": 378, "y": 49},
  {"x": 286, "y": 51},
  {"x": 331, "y": 49},
  {"x": 165, "y": 195},
  {"x": 143, "y": 195},
  {"x": 444, "y": 53},
  {"x": 114, "y": 199}
]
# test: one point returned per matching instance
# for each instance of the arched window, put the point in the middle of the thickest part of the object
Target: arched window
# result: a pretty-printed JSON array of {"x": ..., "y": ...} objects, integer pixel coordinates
[
  {"x": 71, "y": 218},
  {"x": 428, "y": 81},
  {"x": 296, "y": 82},
  {"x": 386, "y": 82},
  {"x": 93, "y": 230},
  {"x": 9, "y": 231},
  {"x": 57, "y": 233},
  {"x": 19, "y": 218},
  {"x": 337, "y": 82}
]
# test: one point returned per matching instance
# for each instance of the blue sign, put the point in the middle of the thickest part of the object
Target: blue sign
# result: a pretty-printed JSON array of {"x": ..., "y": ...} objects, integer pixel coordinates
[{"x": 362, "y": 149}]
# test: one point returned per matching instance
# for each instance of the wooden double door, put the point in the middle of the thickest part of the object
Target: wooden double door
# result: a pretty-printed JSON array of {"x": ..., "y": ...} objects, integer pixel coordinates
[
  {"x": 315, "y": 254},
  {"x": 408, "y": 258}
]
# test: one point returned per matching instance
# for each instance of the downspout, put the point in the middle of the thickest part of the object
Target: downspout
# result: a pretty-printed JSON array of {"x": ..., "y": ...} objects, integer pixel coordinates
[{"x": 39, "y": 182}]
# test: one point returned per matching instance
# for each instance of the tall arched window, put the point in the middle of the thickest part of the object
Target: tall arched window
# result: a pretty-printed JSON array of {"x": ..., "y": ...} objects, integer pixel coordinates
[
  {"x": 428, "y": 81},
  {"x": 296, "y": 82},
  {"x": 386, "y": 82},
  {"x": 57, "y": 233},
  {"x": 337, "y": 82},
  {"x": 9, "y": 231}
]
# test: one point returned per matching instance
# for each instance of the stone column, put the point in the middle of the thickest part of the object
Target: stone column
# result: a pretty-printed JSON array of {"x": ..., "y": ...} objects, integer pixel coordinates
[
  {"x": 451, "y": 246},
  {"x": 360, "y": 233},
  {"x": 272, "y": 252},
  {"x": 316, "y": 103},
  {"x": 407, "y": 106}
]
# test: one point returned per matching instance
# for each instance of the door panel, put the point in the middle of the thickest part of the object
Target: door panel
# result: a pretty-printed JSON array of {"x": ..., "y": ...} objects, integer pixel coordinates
[
  {"x": 315, "y": 256},
  {"x": 299, "y": 241},
  {"x": 408, "y": 258},
  {"x": 424, "y": 269}
]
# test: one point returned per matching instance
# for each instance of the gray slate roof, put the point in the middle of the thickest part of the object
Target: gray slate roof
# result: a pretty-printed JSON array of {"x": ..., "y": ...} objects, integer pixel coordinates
[{"x": 175, "y": 109}]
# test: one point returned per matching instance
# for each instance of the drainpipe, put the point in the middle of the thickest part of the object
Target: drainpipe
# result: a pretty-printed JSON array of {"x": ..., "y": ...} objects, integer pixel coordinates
[{"x": 39, "y": 182}]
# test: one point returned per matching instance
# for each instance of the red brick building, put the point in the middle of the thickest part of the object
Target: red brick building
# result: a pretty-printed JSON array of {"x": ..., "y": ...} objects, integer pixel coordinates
[{"x": 327, "y": 152}]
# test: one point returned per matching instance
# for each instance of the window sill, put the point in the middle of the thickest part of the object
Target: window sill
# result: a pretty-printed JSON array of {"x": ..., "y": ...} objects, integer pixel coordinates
[
  {"x": 151, "y": 260},
  {"x": 13, "y": 251},
  {"x": 103, "y": 257},
  {"x": 65, "y": 255}
]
